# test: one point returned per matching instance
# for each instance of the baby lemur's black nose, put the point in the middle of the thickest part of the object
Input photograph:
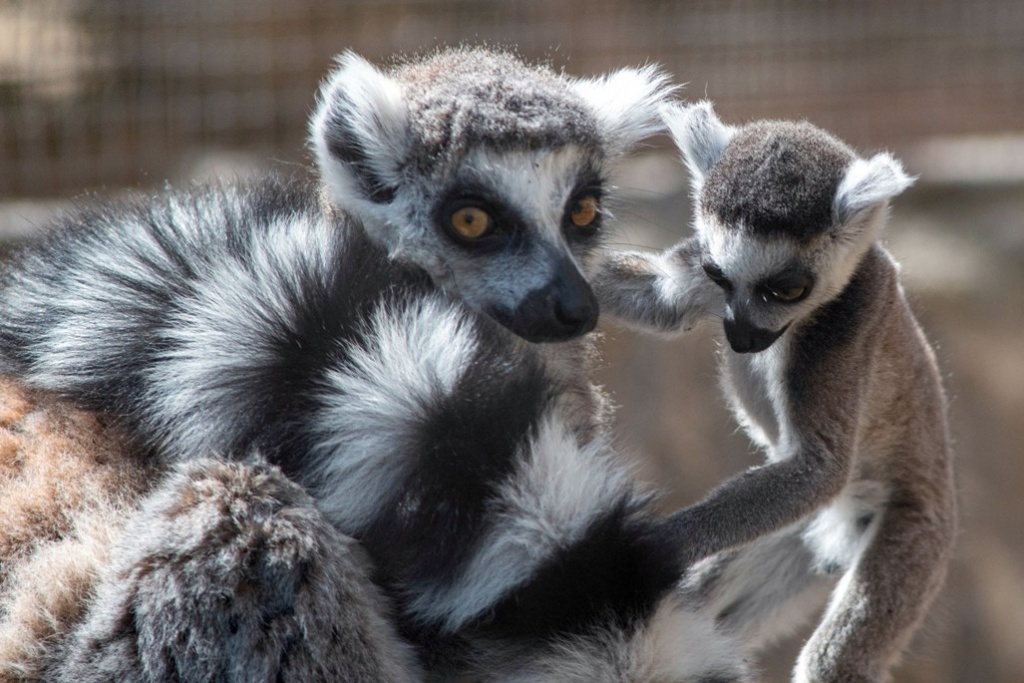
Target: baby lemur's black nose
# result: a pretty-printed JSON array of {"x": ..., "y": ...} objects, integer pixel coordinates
[{"x": 746, "y": 338}]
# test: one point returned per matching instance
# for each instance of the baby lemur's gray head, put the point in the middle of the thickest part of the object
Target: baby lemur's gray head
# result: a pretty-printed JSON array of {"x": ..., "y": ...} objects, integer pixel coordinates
[
  {"x": 784, "y": 212},
  {"x": 486, "y": 172}
]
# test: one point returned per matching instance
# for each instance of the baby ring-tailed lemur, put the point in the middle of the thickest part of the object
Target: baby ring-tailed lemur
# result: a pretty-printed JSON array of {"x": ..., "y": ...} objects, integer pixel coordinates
[
  {"x": 372, "y": 339},
  {"x": 828, "y": 371}
]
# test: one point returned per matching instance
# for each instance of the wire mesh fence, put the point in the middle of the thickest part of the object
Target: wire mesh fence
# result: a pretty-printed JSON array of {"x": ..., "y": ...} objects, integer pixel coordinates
[{"x": 105, "y": 93}]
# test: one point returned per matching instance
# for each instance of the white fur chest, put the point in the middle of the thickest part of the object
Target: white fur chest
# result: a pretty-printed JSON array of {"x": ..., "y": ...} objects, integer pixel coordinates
[
  {"x": 838, "y": 534},
  {"x": 754, "y": 386}
]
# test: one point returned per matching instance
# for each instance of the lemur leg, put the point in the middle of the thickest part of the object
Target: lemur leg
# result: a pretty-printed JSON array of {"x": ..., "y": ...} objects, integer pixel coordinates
[
  {"x": 761, "y": 592},
  {"x": 230, "y": 573},
  {"x": 880, "y": 600}
]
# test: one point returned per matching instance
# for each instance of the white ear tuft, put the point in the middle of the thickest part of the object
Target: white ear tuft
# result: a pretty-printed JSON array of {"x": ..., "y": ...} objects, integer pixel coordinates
[
  {"x": 626, "y": 103},
  {"x": 359, "y": 131},
  {"x": 700, "y": 135},
  {"x": 868, "y": 182}
]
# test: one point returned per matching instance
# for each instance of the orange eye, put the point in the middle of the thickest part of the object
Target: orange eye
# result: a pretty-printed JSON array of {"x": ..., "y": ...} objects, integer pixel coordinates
[
  {"x": 584, "y": 211},
  {"x": 471, "y": 222}
]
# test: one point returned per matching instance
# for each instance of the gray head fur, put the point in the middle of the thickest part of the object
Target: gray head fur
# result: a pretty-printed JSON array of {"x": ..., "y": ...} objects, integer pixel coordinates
[{"x": 778, "y": 178}]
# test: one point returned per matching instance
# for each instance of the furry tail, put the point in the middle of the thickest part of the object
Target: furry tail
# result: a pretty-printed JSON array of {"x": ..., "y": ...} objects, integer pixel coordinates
[{"x": 229, "y": 572}]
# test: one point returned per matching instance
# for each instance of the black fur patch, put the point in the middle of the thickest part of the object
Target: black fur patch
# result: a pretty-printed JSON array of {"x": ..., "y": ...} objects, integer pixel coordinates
[
  {"x": 831, "y": 330},
  {"x": 613, "y": 576},
  {"x": 468, "y": 446},
  {"x": 348, "y": 150},
  {"x": 328, "y": 315},
  {"x": 721, "y": 678},
  {"x": 864, "y": 521}
]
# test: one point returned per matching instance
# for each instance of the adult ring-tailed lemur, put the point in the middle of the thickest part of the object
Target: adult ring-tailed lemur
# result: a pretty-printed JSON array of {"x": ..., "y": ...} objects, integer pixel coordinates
[
  {"x": 827, "y": 370},
  {"x": 362, "y": 465}
]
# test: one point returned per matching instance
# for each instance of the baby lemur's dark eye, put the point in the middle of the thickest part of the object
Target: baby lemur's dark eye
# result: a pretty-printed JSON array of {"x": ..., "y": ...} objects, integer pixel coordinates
[
  {"x": 786, "y": 293},
  {"x": 470, "y": 222},
  {"x": 583, "y": 212}
]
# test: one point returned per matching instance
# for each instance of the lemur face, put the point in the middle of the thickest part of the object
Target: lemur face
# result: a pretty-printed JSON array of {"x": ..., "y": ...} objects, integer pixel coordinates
[
  {"x": 487, "y": 173},
  {"x": 515, "y": 233},
  {"x": 784, "y": 211},
  {"x": 768, "y": 284}
]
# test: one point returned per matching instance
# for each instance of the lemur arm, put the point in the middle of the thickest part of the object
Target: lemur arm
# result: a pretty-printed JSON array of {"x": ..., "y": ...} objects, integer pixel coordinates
[
  {"x": 664, "y": 292},
  {"x": 824, "y": 388},
  {"x": 759, "y": 501}
]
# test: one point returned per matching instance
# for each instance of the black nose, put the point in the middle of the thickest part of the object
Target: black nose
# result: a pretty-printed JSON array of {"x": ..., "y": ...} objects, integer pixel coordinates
[
  {"x": 746, "y": 338},
  {"x": 563, "y": 309},
  {"x": 575, "y": 309}
]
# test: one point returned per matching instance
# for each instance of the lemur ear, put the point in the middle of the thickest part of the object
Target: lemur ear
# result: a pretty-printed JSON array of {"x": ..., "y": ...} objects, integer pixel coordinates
[
  {"x": 867, "y": 183},
  {"x": 700, "y": 136},
  {"x": 625, "y": 104},
  {"x": 359, "y": 132}
]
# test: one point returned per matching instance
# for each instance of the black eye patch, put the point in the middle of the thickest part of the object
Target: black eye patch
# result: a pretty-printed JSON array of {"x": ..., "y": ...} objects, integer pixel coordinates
[
  {"x": 716, "y": 275},
  {"x": 789, "y": 286},
  {"x": 505, "y": 227}
]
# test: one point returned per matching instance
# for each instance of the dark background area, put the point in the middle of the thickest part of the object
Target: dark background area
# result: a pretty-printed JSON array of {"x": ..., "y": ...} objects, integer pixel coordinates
[{"x": 100, "y": 96}]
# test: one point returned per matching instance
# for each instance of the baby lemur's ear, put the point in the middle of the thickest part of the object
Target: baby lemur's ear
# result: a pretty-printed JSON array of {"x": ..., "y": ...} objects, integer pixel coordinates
[
  {"x": 700, "y": 136},
  {"x": 625, "y": 104},
  {"x": 360, "y": 132},
  {"x": 867, "y": 183}
]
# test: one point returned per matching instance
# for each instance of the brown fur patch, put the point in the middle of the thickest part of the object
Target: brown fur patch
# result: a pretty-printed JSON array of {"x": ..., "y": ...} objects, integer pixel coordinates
[{"x": 66, "y": 480}]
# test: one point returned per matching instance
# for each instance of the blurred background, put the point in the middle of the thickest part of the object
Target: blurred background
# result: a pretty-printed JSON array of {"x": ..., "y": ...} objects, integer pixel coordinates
[{"x": 103, "y": 96}]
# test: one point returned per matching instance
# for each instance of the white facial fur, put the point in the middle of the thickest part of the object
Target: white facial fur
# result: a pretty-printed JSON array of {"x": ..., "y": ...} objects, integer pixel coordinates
[
  {"x": 537, "y": 186},
  {"x": 748, "y": 260}
]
